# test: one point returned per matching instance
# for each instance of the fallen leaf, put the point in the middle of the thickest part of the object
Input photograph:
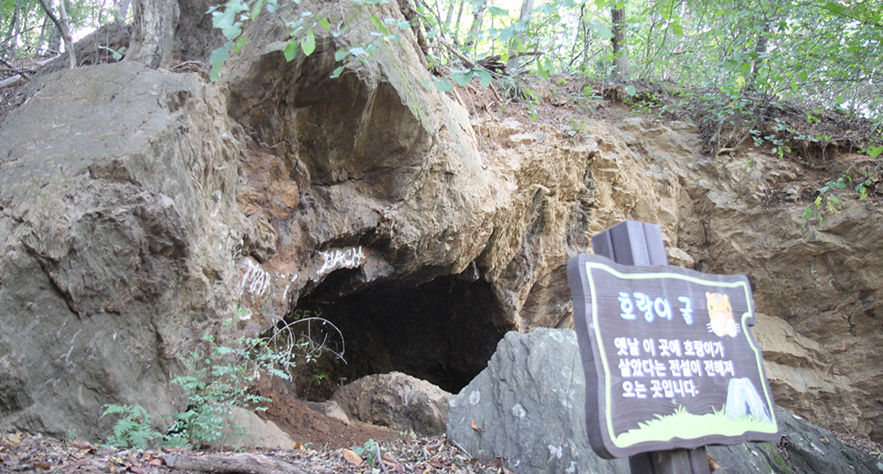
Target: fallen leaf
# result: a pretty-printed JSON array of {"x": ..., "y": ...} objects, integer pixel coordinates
[
  {"x": 43, "y": 465},
  {"x": 392, "y": 462},
  {"x": 712, "y": 464},
  {"x": 496, "y": 462},
  {"x": 351, "y": 457},
  {"x": 155, "y": 462},
  {"x": 476, "y": 428},
  {"x": 434, "y": 463},
  {"x": 136, "y": 469}
]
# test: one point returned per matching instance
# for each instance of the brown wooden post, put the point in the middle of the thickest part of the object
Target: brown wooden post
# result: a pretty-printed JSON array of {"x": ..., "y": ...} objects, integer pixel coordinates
[{"x": 640, "y": 243}]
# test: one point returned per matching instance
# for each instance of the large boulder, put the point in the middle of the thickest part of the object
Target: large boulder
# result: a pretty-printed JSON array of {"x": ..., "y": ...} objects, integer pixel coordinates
[
  {"x": 396, "y": 400},
  {"x": 528, "y": 407},
  {"x": 116, "y": 222}
]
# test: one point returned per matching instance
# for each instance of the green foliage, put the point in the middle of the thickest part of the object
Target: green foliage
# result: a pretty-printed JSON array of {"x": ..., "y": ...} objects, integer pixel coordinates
[
  {"x": 218, "y": 378},
  {"x": 367, "y": 451},
  {"x": 826, "y": 200},
  {"x": 133, "y": 428},
  {"x": 116, "y": 54}
]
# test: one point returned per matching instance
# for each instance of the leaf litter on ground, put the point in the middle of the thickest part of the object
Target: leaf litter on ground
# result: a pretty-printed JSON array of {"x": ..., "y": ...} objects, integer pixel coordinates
[{"x": 22, "y": 452}]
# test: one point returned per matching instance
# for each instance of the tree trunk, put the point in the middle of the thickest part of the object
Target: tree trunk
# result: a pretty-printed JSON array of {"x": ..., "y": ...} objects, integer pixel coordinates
[
  {"x": 153, "y": 32},
  {"x": 524, "y": 17},
  {"x": 472, "y": 37},
  {"x": 66, "y": 34},
  {"x": 457, "y": 24},
  {"x": 120, "y": 10},
  {"x": 413, "y": 18},
  {"x": 14, "y": 31},
  {"x": 620, "y": 53},
  {"x": 61, "y": 24}
]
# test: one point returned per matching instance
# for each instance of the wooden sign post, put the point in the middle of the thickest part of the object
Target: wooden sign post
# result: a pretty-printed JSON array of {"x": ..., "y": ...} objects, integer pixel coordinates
[{"x": 670, "y": 363}]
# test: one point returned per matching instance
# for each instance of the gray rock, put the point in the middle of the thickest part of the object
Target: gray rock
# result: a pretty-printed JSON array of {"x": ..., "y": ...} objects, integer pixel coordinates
[
  {"x": 396, "y": 400},
  {"x": 245, "y": 429},
  {"x": 330, "y": 409},
  {"x": 528, "y": 407},
  {"x": 105, "y": 192}
]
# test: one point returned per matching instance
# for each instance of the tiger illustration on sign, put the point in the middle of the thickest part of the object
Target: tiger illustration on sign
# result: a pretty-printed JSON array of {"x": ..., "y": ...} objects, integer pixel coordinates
[{"x": 720, "y": 314}]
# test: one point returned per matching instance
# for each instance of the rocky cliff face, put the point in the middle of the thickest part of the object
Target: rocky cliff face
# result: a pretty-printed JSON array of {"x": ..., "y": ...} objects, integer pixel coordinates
[{"x": 139, "y": 208}]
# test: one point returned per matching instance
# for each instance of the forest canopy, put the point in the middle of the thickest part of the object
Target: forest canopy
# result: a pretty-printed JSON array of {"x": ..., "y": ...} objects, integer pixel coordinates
[{"x": 820, "y": 53}]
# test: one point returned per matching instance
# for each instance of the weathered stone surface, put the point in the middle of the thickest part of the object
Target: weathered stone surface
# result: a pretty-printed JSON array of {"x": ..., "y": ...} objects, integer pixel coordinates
[
  {"x": 528, "y": 407},
  {"x": 116, "y": 220},
  {"x": 396, "y": 400},
  {"x": 139, "y": 208},
  {"x": 330, "y": 409},
  {"x": 247, "y": 430}
]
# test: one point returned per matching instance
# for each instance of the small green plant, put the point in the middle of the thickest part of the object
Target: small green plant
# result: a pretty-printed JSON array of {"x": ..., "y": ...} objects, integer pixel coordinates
[
  {"x": 218, "y": 378},
  {"x": 826, "y": 199},
  {"x": 116, "y": 54},
  {"x": 315, "y": 381},
  {"x": 133, "y": 428},
  {"x": 367, "y": 451}
]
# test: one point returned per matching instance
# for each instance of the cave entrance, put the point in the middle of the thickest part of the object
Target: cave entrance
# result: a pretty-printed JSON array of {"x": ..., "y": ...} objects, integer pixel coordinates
[{"x": 441, "y": 331}]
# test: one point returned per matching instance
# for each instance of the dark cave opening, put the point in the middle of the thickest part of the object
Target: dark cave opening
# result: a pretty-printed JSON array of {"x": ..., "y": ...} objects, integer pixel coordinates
[{"x": 441, "y": 331}]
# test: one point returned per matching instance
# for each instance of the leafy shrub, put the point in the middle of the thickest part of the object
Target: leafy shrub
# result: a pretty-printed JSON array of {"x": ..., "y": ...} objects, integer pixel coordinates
[
  {"x": 133, "y": 429},
  {"x": 217, "y": 379}
]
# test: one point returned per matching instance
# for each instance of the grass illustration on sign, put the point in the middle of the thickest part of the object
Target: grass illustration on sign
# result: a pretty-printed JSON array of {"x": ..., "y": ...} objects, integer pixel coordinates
[{"x": 690, "y": 426}]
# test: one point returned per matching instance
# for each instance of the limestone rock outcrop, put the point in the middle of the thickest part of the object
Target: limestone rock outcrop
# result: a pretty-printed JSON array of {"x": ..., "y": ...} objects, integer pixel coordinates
[
  {"x": 398, "y": 401},
  {"x": 117, "y": 214},
  {"x": 141, "y": 209}
]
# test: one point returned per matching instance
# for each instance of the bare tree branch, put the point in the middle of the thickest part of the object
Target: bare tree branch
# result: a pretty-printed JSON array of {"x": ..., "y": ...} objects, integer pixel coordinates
[{"x": 63, "y": 30}]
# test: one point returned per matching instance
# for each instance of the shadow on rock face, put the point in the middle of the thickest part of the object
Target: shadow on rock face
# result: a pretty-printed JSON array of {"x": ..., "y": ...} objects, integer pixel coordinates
[{"x": 351, "y": 128}]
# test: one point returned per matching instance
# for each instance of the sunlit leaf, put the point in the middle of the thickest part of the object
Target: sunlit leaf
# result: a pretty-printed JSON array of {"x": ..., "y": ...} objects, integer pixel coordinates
[
  {"x": 336, "y": 73},
  {"x": 443, "y": 85},
  {"x": 601, "y": 30},
  {"x": 379, "y": 25},
  {"x": 676, "y": 27},
  {"x": 484, "y": 77},
  {"x": 309, "y": 43},
  {"x": 544, "y": 66},
  {"x": 506, "y": 34},
  {"x": 256, "y": 9},
  {"x": 290, "y": 50},
  {"x": 497, "y": 11},
  {"x": 461, "y": 78},
  {"x": 341, "y": 54},
  {"x": 240, "y": 43},
  {"x": 217, "y": 59}
]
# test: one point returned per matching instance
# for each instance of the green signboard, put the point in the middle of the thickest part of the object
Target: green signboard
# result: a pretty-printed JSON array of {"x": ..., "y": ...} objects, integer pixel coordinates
[{"x": 669, "y": 358}]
